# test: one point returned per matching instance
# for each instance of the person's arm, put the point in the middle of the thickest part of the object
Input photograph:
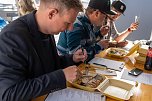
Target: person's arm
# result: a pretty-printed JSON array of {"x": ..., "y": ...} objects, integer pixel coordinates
[
  {"x": 102, "y": 31},
  {"x": 100, "y": 43},
  {"x": 125, "y": 33},
  {"x": 99, "y": 34},
  {"x": 67, "y": 60},
  {"x": 16, "y": 82},
  {"x": 75, "y": 37}
]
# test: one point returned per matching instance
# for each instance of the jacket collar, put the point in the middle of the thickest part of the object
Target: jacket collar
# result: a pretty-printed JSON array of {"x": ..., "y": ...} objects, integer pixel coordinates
[
  {"x": 30, "y": 19},
  {"x": 84, "y": 18}
]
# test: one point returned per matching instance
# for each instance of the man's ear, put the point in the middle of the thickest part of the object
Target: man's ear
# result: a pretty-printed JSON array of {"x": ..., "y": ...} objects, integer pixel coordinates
[
  {"x": 52, "y": 13},
  {"x": 97, "y": 13}
]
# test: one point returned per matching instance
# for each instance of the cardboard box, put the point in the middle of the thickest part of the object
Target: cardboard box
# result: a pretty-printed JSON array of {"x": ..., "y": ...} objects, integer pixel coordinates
[
  {"x": 113, "y": 88},
  {"x": 88, "y": 88},
  {"x": 116, "y": 89},
  {"x": 140, "y": 59},
  {"x": 143, "y": 50},
  {"x": 121, "y": 53}
]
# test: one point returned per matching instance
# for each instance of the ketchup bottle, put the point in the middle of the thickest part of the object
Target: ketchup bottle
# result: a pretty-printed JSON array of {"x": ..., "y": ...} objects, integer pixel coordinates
[{"x": 148, "y": 62}]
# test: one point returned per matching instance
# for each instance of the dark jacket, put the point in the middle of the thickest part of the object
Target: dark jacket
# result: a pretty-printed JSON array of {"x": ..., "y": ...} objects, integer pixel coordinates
[
  {"x": 29, "y": 63},
  {"x": 82, "y": 35}
]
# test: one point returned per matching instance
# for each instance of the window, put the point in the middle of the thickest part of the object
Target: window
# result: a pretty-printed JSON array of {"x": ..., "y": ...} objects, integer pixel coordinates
[
  {"x": 8, "y": 10},
  {"x": 7, "y": 1}
]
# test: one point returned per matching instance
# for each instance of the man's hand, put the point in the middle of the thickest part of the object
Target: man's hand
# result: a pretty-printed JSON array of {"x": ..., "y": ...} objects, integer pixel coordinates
[
  {"x": 122, "y": 44},
  {"x": 104, "y": 43},
  {"x": 80, "y": 55},
  {"x": 70, "y": 73},
  {"x": 134, "y": 26},
  {"x": 104, "y": 30}
]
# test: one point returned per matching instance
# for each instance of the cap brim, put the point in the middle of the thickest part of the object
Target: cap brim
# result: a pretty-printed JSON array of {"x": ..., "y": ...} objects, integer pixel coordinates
[
  {"x": 120, "y": 12},
  {"x": 111, "y": 12}
]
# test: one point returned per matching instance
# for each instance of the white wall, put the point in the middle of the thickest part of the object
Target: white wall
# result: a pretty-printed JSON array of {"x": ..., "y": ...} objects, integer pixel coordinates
[{"x": 140, "y": 8}]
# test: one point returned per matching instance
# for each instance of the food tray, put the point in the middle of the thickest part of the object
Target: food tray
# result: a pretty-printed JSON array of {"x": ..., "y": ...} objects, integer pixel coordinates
[
  {"x": 116, "y": 89},
  {"x": 121, "y": 53},
  {"x": 86, "y": 86}
]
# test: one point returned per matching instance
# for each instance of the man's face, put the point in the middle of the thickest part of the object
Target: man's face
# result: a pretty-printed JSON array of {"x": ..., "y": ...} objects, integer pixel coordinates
[
  {"x": 115, "y": 17},
  {"x": 63, "y": 21},
  {"x": 99, "y": 18}
]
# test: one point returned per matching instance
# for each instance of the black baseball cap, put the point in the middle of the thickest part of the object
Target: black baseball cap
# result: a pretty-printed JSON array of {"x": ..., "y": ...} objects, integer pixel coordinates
[
  {"x": 102, "y": 5},
  {"x": 120, "y": 6}
]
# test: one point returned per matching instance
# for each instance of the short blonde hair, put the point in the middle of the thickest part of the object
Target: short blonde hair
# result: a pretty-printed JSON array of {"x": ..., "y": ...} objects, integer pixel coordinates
[
  {"x": 64, "y": 4},
  {"x": 26, "y": 6},
  {"x": 90, "y": 10}
]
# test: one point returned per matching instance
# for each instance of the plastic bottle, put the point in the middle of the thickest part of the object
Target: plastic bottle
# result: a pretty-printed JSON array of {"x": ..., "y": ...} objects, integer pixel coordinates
[{"x": 148, "y": 62}]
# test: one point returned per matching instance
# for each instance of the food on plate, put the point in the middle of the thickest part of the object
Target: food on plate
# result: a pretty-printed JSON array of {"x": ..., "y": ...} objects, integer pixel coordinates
[
  {"x": 90, "y": 81},
  {"x": 117, "y": 51}
]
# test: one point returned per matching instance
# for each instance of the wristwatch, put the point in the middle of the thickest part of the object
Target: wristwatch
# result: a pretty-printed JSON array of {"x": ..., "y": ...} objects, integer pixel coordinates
[{"x": 129, "y": 30}]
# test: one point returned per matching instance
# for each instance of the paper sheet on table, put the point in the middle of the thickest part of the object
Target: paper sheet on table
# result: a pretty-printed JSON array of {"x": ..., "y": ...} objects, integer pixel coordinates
[
  {"x": 72, "y": 94},
  {"x": 106, "y": 72},
  {"x": 111, "y": 64},
  {"x": 142, "y": 78}
]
